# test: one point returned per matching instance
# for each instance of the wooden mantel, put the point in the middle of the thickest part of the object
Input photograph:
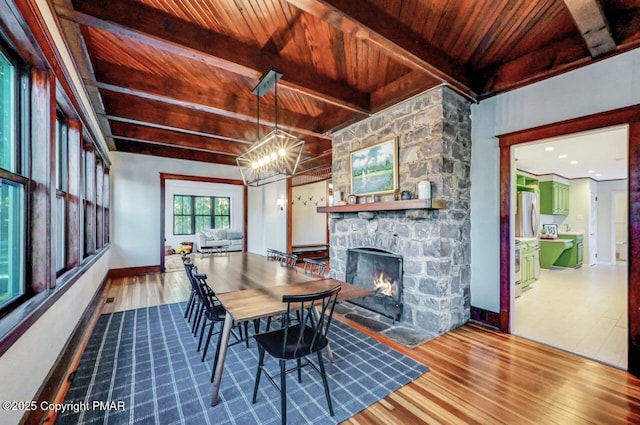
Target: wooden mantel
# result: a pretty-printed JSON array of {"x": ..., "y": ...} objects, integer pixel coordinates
[{"x": 411, "y": 204}]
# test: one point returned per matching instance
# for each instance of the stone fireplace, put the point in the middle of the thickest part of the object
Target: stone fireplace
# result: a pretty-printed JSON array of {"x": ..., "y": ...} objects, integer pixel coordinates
[{"x": 434, "y": 143}]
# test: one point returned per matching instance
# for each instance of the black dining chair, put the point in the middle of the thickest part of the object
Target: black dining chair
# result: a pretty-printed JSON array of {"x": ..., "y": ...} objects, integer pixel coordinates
[
  {"x": 193, "y": 298},
  {"x": 288, "y": 260},
  {"x": 296, "y": 342},
  {"x": 314, "y": 267},
  {"x": 213, "y": 312}
]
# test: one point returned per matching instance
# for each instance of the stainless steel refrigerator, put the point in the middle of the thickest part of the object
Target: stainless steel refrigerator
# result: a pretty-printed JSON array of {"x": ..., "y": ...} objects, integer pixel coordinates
[
  {"x": 527, "y": 219},
  {"x": 528, "y": 222}
]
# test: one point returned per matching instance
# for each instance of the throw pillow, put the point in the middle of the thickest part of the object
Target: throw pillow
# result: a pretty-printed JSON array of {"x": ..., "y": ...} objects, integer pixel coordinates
[
  {"x": 233, "y": 235},
  {"x": 219, "y": 234}
]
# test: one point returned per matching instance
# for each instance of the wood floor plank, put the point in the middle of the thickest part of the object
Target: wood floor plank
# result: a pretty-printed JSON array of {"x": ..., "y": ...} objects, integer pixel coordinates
[{"x": 477, "y": 375}]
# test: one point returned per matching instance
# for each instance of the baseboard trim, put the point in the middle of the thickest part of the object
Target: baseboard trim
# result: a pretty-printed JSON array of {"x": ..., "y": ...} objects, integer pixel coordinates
[
  {"x": 53, "y": 388},
  {"x": 132, "y": 271},
  {"x": 485, "y": 317}
]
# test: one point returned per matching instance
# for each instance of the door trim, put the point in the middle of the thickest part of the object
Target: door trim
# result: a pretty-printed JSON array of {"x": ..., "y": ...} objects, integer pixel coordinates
[{"x": 629, "y": 115}]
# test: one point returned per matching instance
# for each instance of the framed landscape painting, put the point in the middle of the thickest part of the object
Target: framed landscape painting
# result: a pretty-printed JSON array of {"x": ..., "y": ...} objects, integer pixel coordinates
[{"x": 374, "y": 169}]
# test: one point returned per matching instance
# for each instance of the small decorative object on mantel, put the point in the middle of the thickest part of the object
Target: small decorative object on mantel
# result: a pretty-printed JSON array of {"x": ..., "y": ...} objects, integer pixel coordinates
[
  {"x": 406, "y": 195},
  {"x": 351, "y": 199},
  {"x": 424, "y": 189}
]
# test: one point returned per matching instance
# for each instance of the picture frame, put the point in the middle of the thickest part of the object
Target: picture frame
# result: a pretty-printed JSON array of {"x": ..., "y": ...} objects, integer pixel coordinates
[
  {"x": 550, "y": 230},
  {"x": 374, "y": 169}
]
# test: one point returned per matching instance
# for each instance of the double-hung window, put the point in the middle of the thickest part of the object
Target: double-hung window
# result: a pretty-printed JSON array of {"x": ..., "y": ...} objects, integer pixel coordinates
[
  {"x": 13, "y": 179},
  {"x": 192, "y": 214}
]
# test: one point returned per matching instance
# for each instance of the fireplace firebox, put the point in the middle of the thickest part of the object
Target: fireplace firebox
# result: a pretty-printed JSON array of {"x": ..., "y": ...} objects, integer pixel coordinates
[{"x": 381, "y": 272}]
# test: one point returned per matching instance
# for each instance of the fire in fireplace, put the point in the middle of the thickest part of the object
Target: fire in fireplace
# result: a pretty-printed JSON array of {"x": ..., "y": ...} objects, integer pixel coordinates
[{"x": 381, "y": 272}]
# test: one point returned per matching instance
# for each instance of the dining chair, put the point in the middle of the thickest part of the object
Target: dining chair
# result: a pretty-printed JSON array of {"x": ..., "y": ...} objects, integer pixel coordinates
[
  {"x": 188, "y": 266},
  {"x": 296, "y": 342},
  {"x": 272, "y": 254},
  {"x": 288, "y": 260},
  {"x": 213, "y": 312},
  {"x": 314, "y": 267}
]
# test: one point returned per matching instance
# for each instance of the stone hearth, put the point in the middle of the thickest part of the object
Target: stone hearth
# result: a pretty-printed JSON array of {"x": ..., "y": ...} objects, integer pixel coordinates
[{"x": 434, "y": 139}]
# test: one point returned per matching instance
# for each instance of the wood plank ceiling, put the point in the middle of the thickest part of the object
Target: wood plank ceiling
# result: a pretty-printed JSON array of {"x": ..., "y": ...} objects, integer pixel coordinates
[{"x": 174, "y": 78}]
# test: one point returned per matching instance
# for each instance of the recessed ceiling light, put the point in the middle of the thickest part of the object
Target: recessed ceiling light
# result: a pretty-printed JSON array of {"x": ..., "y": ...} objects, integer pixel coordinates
[
  {"x": 591, "y": 171},
  {"x": 549, "y": 148},
  {"x": 598, "y": 175},
  {"x": 574, "y": 162},
  {"x": 562, "y": 156}
]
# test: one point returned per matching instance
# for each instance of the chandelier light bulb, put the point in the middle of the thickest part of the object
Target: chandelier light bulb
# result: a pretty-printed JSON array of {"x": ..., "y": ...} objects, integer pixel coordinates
[
  {"x": 274, "y": 156},
  {"x": 266, "y": 159},
  {"x": 254, "y": 165},
  {"x": 282, "y": 151},
  {"x": 261, "y": 162}
]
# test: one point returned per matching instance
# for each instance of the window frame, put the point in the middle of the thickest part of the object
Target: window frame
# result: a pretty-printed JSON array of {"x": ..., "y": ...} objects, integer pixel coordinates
[
  {"x": 19, "y": 177},
  {"x": 61, "y": 191},
  {"x": 193, "y": 222}
]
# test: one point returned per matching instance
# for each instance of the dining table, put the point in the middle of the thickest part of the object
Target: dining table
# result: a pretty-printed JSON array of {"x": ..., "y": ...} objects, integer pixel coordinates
[{"x": 250, "y": 286}]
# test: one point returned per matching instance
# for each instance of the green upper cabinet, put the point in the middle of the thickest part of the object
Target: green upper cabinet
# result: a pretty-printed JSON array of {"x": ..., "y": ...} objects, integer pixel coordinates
[{"x": 554, "y": 198}]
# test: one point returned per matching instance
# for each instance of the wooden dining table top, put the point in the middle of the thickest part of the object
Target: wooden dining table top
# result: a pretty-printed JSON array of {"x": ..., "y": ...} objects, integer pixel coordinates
[
  {"x": 236, "y": 271},
  {"x": 250, "y": 286}
]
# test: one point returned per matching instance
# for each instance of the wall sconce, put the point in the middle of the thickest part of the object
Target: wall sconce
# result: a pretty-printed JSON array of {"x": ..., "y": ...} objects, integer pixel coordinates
[{"x": 281, "y": 202}]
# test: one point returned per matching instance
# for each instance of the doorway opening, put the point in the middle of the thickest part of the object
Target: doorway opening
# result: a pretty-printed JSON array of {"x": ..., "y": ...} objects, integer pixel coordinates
[{"x": 574, "y": 295}]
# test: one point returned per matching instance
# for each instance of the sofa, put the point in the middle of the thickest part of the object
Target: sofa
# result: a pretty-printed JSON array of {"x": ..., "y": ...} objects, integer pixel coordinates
[{"x": 211, "y": 240}]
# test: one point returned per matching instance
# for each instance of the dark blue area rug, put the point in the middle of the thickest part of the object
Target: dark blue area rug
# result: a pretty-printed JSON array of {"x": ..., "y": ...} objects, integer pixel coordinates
[{"x": 143, "y": 365}]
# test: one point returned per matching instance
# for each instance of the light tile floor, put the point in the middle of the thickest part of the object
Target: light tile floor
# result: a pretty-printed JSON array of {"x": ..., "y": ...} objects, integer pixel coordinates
[{"x": 579, "y": 310}]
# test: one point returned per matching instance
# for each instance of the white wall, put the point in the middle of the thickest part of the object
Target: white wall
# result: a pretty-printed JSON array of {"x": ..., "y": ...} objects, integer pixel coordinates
[
  {"x": 267, "y": 225},
  {"x": 579, "y": 212},
  {"x": 307, "y": 226},
  {"x": 602, "y": 86},
  {"x": 25, "y": 365},
  {"x": 184, "y": 187},
  {"x": 606, "y": 191},
  {"x": 135, "y": 203}
]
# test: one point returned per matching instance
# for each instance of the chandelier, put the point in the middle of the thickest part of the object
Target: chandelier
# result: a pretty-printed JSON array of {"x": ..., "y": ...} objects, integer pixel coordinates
[{"x": 276, "y": 155}]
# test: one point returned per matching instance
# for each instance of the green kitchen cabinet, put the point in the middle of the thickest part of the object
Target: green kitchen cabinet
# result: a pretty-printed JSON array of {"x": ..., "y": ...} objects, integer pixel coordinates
[
  {"x": 572, "y": 257},
  {"x": 554, "y": 198},
  {"x": 527, "y": 263}
]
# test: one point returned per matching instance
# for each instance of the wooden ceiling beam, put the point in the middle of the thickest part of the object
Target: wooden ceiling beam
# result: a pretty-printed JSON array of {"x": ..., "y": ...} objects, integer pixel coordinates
[
  {"x": 129, "y": 81},
  {"x": 549, "y": 61},
  {"x": 121, "y": 105},
  {"x": 172, "y": 152},
  {"x": 184, "y": 120},
  {"x": 592, "y": 23},
  {"x": 137, "y": 132},
  {"x": 165, "y": 32},
  {"x": 394, "y": 38},
  {"x": 322, "y": 160}
]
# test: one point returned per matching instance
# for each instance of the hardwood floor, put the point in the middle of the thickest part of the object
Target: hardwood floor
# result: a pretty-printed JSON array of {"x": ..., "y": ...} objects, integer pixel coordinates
[{"x": 477, "y": 375}]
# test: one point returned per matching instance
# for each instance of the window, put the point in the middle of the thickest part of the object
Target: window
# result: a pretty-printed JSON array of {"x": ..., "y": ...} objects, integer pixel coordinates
[
  {"x": 12, "y": 239},
  {"x": 13, "y": 183},
  {"x": 62, "y": 148},
  {"x": 8, "y": 145},
  {"x": 192, "y": 214}
]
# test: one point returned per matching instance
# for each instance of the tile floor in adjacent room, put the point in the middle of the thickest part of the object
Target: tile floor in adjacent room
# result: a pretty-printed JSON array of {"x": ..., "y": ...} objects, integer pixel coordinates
[{"x": 579, "y": 310}]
